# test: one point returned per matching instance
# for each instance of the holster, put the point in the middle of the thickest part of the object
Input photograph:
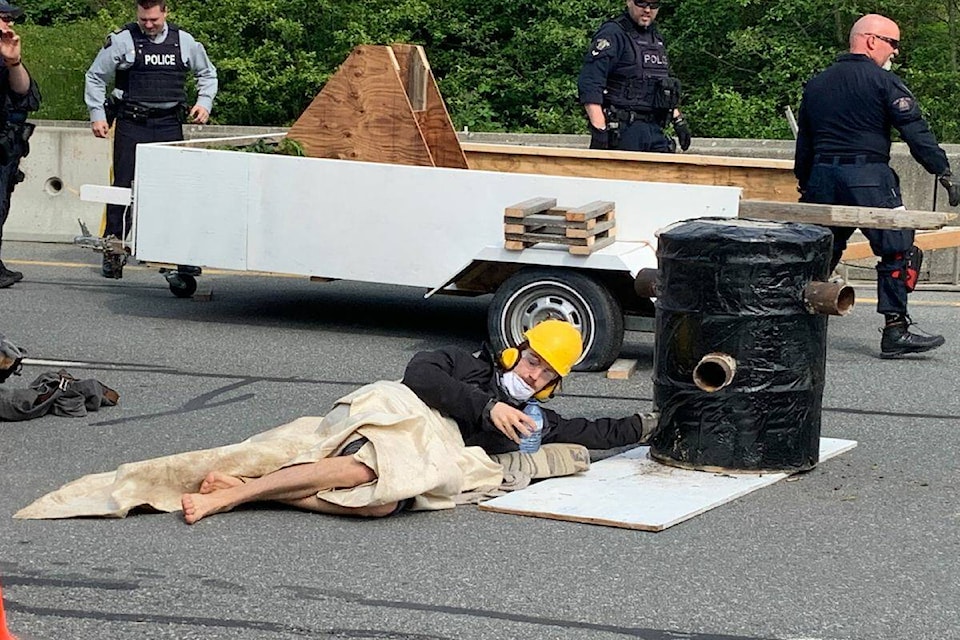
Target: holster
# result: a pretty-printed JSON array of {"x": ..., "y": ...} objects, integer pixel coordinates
[
  {"x": 110, "y": 107},
  {"x": 14, "y": 141}
]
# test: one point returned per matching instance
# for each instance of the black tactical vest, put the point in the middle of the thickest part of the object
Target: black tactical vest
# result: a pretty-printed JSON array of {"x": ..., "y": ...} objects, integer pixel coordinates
[
  {"x": 158, "y": 74},
  {"x": 635, "y": 82}
]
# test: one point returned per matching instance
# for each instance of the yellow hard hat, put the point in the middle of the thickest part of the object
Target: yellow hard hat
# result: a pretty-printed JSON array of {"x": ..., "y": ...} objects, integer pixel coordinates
[{"x": 558, "y": 342}]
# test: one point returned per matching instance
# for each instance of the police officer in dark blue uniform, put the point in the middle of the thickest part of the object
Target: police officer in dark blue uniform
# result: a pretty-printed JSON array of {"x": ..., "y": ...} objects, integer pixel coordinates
[
  {"x": 148, "y": 61},
  {"x": 18, "y": 95},
  {"x": 842, "y": 156},
  {"x": 626, "y": 88}
]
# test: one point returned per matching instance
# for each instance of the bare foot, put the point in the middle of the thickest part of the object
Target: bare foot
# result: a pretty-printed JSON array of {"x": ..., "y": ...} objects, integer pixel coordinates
[
  {"x": 216, "y": 481},
  {"x": 197, "y": 506}
]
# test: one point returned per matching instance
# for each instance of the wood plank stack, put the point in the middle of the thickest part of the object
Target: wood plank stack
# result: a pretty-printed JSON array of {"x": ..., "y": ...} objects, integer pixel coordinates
[{"x": 582, "y": 230}]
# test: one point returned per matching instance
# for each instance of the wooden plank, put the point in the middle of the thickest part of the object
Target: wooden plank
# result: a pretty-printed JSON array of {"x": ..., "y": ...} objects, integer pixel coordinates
[
  {"x": 363, "y": 113},
  {"x": 595, "y": 209},
  {"x": 759, "y": 178},
  {"x": 632, "y": 491},
  {"x": 556, "y": 221},
  {"x": 943, "y": 239},
  {"x": 556, "y": 229},
  {"x": 592, "y": 231},
  {"x": 843, "y": 216},
  {"x": 528, "y": 207},
  {"x": 622, "y": 369},
  {"x": 585, "y": 241},
  {"x": 414, "y": 72},
  {"x": 578, "y": 250}
]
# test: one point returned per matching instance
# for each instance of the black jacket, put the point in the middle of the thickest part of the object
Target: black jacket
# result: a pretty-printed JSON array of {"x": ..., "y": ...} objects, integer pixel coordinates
[
  {"x": 848, "y": 110},
  {"x": 465, "y": 387}
]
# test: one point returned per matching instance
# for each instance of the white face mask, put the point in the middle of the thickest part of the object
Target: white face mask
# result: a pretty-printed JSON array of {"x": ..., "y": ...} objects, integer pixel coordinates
[
  {"x": 516, "y": 387},
  {"x": 888, "y": 64}
]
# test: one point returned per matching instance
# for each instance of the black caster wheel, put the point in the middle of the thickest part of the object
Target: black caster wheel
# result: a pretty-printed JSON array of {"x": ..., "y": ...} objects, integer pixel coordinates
[{"x": 181, "y": 285}]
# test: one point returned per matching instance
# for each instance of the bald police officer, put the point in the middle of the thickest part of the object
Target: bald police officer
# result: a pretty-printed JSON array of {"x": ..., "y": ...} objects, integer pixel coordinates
[
  {"x": 842, "y": 155},
  {"x": 626, "y": 88},
  {"x": 147, "y": 61}
]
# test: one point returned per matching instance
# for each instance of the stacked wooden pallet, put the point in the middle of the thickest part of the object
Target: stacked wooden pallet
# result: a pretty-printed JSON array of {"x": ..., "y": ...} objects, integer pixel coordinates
[{"x": 583, "y": 229}]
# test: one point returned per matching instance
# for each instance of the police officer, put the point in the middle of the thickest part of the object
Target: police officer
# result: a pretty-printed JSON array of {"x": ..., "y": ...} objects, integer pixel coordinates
[
  {"x": 842, "y": 156},
  {"x": 148, "y": 61},
  {"x": 626, "y": 88},
  {"x": 18, "y": 95}
]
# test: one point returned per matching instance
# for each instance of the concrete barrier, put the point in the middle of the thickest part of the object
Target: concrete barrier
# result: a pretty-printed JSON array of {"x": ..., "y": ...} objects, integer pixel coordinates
[{"x": 65, "y": 155}]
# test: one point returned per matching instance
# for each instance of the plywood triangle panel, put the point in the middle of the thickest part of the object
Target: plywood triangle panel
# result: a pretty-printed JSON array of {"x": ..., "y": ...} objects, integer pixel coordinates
[
  {"x": 363, "y": 113},
  {"x": 371, "y": 109}
]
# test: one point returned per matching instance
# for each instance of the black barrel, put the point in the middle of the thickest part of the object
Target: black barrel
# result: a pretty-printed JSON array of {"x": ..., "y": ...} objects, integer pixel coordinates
[{"x": 733, "y": 291}]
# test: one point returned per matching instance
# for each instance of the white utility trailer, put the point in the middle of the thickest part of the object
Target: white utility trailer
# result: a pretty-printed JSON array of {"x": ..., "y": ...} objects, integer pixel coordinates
[{"x": 440, "y": 229}]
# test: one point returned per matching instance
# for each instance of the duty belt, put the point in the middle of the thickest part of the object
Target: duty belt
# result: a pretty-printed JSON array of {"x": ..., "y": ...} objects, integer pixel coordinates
[
  {"x": 628, "y": 116},
  {"x": 128, "y": 110},
  {"x": 859, "y": 158}
]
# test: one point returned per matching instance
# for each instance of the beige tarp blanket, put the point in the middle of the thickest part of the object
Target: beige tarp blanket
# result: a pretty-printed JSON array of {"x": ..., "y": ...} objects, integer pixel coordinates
[{"x": 415, "y": 451}]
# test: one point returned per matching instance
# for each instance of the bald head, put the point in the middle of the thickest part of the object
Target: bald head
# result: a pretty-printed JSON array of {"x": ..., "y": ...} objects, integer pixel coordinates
[{"x": 876, "y": 37}]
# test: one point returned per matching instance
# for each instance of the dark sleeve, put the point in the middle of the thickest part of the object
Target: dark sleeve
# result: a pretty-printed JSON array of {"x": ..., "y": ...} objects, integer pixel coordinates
[
  {"x": 602, "y": 433},
  {"x": 450, "y": 381},
  {"x": 803, "y": 157},
  {"x": 598, "y": 62},
  {"x": 905, "y": 115},
  {"x": 13, "y": 101}
]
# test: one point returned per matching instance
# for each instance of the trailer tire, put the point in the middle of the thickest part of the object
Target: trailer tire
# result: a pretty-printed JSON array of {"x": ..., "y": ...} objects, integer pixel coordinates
[{"x": 533, "y": 295}]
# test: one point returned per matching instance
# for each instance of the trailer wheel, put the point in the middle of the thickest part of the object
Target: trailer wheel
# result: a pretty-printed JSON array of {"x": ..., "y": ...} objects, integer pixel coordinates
[
  {"x": 533, "y": 295},
  {"x": 181, "y": 285}
]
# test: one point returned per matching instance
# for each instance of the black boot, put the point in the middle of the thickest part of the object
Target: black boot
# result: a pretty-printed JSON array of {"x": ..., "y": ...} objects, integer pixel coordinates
[
  {"x": 10, "y": 273},
  {"x": 897, "y": 340}
]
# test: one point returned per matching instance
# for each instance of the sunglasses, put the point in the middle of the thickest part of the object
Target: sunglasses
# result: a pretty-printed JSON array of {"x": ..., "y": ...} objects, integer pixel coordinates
[
  {"x": 893, "y": 42},
  {"x": 647, "y": 5}
]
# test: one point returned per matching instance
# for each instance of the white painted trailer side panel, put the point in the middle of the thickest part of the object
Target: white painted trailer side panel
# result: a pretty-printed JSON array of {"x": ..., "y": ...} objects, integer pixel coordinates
[
  {"x": 371, "y": 222},
  {"x": 192, "y": 208}
]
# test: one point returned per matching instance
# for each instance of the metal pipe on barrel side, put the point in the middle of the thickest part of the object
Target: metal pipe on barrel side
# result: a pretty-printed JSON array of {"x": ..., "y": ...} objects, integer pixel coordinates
[
  {"x": 831, "y": 298},
  {"x": 645, "y": 284},
  {"x": 714, "y": 371}
]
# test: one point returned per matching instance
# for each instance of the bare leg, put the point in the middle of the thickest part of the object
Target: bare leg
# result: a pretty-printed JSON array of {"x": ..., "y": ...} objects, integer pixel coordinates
[
  {"x": 216, "y": 481},
  {"x": 291, "y": 483},
  {"x": 313, "y": 503}
]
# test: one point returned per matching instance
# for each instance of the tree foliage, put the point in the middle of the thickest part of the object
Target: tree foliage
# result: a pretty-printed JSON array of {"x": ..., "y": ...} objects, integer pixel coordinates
[{"x": 509, "y": 66}]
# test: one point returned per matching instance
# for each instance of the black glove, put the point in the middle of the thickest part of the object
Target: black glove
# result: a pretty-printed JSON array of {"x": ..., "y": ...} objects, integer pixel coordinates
[
  {"x": 683, "y": 132},
  {"x": 953, "y": 189}
]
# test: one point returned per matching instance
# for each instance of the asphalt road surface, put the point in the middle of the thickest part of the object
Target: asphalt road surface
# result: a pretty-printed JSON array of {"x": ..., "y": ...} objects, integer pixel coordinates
[{"x": 865, "y": 546}]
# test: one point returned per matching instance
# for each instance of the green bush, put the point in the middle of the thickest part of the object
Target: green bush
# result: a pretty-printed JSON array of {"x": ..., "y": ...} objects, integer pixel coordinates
[{"x": 508, "y": 66}]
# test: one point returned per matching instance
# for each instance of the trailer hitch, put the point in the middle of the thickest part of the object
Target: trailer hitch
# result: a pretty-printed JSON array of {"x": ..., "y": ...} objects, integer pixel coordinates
[{"x": 115, "y": 251}]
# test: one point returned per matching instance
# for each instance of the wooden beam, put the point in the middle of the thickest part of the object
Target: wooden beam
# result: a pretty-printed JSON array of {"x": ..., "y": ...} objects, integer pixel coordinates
[
  {"x": 766, "y": 178},
  {"x": 943, "y": 239},
  {"x": 843, "y": 216},
  {"x": 621, "y": 369}
]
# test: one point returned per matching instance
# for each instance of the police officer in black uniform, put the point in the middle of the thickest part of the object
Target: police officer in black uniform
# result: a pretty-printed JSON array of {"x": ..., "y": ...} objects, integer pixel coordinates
[
  {"x": 626, "y": 88},
  {"x": 148, "y": 61},
  {"x": 18, "y": 95},
  {"x": 842, "y": 156}
]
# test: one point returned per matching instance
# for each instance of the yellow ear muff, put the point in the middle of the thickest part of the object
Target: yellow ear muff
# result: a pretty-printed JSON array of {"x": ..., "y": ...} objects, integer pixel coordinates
[
  {"x": 547, "y": 392},
  {"x": 509, "y": 358}
]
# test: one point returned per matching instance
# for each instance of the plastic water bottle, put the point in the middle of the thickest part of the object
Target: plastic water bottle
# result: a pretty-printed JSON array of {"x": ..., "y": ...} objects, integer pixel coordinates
[{"x": 531, "y": 443}]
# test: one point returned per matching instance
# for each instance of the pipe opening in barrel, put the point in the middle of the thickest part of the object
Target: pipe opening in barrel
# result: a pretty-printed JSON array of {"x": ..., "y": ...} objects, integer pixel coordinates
[{"x": 714, "y": 371}]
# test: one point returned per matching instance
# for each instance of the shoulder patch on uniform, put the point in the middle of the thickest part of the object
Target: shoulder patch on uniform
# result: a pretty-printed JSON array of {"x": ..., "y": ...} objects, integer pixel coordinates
[
  {"x": 903, "y": 104},
  {"x": 599, "y": 45}
]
